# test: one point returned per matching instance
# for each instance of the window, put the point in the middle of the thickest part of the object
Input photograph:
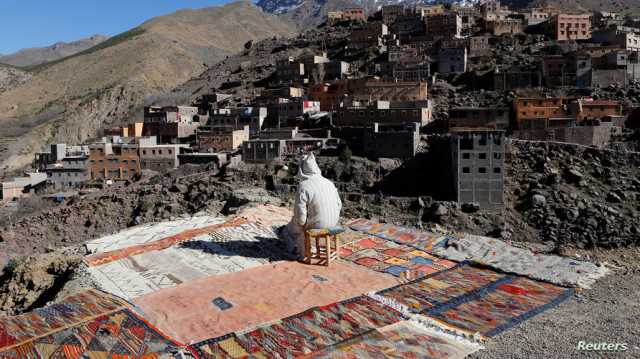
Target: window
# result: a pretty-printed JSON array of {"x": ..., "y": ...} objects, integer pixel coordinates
[
  {"x": 483, "y": 141},
  {"x": 466, "y": 155},
  {"x": 497, "y": 156},
  {"x": 482, "y": 156},
  {"x": 497, "y": 141},
  {"x": 482, "y": 170},
  {"x": 496, "y": 170},
  {"x": 466, "y": 170},
  {"x": 466, "y": 144},
  {"x": 169, "y": 151}
]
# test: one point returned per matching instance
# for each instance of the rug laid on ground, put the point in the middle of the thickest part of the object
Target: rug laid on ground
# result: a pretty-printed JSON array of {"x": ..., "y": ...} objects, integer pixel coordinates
[
  {"x": 267, "y": 214},
  {"x": 120, "y": 334},
  {"x": 164, "y": 242},
  {"x": 418, "y": 239},
  {"x": 474, "y": 300},
  {"x": 213, "y": 306},
  {"x": 402, "y": 261},
  {"x": 149, "y": 233},
  {"x": 505, "y": 257},
  {"x": 502, "y": 308},
  {"x": 437, "y": 289},
  {"x": 225, "y": 250},
  {"x": 318, "y": 328},
  {"x": 404, "y": 339},
  {"x": 68, "y": 312}
]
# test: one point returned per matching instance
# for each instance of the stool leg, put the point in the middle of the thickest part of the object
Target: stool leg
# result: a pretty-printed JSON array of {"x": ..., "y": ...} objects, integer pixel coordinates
[
  {"x": 307, "y": 249},
  {"x": 328, "y": 239}
]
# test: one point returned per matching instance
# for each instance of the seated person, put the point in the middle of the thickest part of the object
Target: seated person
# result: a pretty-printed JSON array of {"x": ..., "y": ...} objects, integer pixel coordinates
[{"x": 317, "y": 206}]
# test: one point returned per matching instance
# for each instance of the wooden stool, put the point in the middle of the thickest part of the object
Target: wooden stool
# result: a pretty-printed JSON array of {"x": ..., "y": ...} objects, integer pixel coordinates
[{"x": 324, "y": 252}]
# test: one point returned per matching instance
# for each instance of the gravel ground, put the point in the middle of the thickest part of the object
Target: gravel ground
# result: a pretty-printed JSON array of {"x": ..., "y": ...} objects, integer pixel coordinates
[{"x": 609, "y": 312}]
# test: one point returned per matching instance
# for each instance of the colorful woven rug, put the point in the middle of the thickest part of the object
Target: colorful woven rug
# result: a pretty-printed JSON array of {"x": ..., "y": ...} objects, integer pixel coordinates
[
  {"x": 257, "y": 296},
  {"x": 147, "y": 233},
  {"x": 389, "y": 257},
  {"x": 71, "y": 311},
  {"x": 225, "y": 250},
  {"x": 166, "y": 242},
  {"x": 120, "y": 334},
  {"x": 507, "y": 258},
  {"x": 401, "y": 340},
  {"x": 318, "y": 328},
  {"x": 225, "y": 347},
  {"x": 507, "y": 305},
  {"x": 436, "y": 289},
  {"x": 415, "y": 238}
]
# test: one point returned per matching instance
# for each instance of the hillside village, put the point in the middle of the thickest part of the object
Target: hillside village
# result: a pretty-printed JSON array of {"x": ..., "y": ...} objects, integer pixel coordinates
[{"x": 494, "y": 151}]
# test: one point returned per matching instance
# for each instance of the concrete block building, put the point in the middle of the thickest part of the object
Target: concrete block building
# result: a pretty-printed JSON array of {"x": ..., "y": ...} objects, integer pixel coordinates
[{"x": 477, "y": 158}]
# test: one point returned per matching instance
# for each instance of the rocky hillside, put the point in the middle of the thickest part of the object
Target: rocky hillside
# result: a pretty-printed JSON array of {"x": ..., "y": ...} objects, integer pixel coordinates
[
  {"x": 70, "y": 99},
  {"x": 11, "y": 77},
  {"x": 39, "y": 55}
]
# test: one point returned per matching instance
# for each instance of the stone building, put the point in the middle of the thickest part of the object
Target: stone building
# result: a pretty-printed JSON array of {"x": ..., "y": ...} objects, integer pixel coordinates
[
  {"x": 238, "y": 117},
  {"x": 505, "y": 26},
  {"x": 160, "y": 158},
  {"x": 289, "y": 70},
  {"x": 627, "y": 38},
  {"x": 391, "y": 12},
  {"x": 479, "y": 117},
  {"x": 384, "y": 113},
  {"x": 452, "y": 60},
  {"x": 262, "y": 151},
  {"x": 477, "y": 158},
  {"x": 429, "y": 10},
  {"x": 330, "y": 95},
  {"x": 392, "y": 142},
  {"x": 573, "y": 70},
  {"x": 371, "y": 90},
  {"x": 22, "y": 186},
  {"x": 72, "y": 171},
  {"x": 369, "y": 36},
  {"x": 443, "y": 26},
  {"x": 221, "y": 138}
]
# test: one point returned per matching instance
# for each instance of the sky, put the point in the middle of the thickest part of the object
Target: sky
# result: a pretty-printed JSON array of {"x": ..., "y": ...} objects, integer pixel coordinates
[{"x": 38, "y": 23}]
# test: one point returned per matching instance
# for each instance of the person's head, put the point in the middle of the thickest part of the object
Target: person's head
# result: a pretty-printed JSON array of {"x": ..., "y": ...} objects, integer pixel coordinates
[{"x": 309, "y": 166}]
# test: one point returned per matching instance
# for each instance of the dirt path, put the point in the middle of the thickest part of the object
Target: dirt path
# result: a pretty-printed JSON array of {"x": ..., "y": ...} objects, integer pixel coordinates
[{"x": 609, "y": 312}]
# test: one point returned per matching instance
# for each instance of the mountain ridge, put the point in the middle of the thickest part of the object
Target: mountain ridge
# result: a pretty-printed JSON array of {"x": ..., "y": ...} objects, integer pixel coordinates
[
  {"x": 38, "y": 55},
  {"x": 70, "y": 99}
]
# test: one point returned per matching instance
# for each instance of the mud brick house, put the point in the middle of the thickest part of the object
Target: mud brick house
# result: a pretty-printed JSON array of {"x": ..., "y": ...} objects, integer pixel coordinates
[
  {"x": 239, "y": 117},
  {"x": 221, "y": 138},
  {"x": 563, "y": 27},
  {"x": 289, "y": 70},
  {"x": 371, "y": 90},
  {"x": 536, "y": 15},
  {"x": 479, "y": 117},
  {"x": 109, "y": 161},
  {"x": 369, "y": 36},
  {"x": 516, "y": 78},
  {"x": 477, "y": 158},
  {"x": 160, "y": 158},
  {"x": 443, "y": 26},
  {"x": 384, "y": 113},
  {"x": 504, "y": 26},
  {"x": 22, "y": 186},
  {"x": 330, "y": 95},
  {"x": 542, "y": 113},
  {"x": 424, "y": 10},
  {"x": 391, "y": 12}
]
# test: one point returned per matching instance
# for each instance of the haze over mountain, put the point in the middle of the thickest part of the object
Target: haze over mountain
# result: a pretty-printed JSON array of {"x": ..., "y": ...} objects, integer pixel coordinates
[
  {"x": 39, "y": 55},
  {"x": 68, "y": 100}
]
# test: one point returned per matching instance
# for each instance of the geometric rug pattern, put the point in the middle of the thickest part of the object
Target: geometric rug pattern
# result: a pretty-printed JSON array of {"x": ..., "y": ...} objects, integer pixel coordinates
[
  {"x": 416, "y": 238},
  {"x": 476, "y": 300},
  {"x": 117, "y": 335},
  {"x": 71, "y": 311},
  {"x": 306, "y": 332},
  {"x": 400, "y": 340},
  {"x": 389, "y": 257}
]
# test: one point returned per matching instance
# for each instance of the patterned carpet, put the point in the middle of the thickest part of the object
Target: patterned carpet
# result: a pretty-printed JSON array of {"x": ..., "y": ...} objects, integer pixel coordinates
[
  {"x": 69, "y": 312},
  {"x": 307, "y": 332},
  {"x": 476, "y": 300},
  {"x": 401, "y": 340},
  {"x": 389, "y": 257},
  {"x": 118, "y": 335},
  {"x": 418, "y": 239}
]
